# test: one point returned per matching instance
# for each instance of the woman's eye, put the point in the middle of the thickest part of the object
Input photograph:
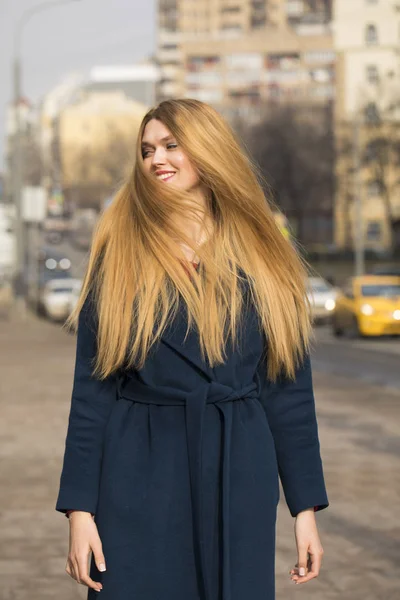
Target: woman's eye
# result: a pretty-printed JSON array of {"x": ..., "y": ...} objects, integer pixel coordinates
[
  {"x": 171, "y": 146},
  {"x": 145, "y": 153}
]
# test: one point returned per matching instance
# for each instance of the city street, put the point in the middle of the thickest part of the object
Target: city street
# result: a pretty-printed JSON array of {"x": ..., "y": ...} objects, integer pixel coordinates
[
  {"x": 360, "y": 438},
  {"x": 368, "y": 360}
]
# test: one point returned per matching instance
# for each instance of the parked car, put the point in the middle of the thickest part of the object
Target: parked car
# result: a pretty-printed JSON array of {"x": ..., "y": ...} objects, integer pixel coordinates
[
  {"x": 368, "y": 306},
  {"x": 322, "y": 297},
  {"x": 36, "y": 283},
  {"x": 56, "y": 297}
]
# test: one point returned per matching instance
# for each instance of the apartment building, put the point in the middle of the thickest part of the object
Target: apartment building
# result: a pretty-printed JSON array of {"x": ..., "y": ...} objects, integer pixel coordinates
[
  {"x": 237, "y": 54},
  {"x": 240, "y": 76},
  {"x": 367, "y": 43}
]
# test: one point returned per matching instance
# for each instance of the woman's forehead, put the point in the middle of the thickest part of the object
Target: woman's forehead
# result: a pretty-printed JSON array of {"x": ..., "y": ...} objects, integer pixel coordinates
[{"x": 155, "y": 131}]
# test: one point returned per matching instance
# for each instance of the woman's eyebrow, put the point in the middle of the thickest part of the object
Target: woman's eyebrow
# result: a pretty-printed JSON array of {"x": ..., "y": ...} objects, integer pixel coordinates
[{"x": 164, "y": 139}]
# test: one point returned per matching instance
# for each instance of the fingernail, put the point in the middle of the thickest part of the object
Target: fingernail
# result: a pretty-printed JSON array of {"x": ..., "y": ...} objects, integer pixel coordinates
[
  {"x": 102, "y": 567},
  {"x": 302, "y": 571}
]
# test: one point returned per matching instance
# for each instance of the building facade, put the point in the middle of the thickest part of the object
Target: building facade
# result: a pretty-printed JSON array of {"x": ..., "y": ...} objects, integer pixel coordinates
[
  {"x": 87, "y": 131},
  {"x": 241, "y": 76},
  {"x": 367, "y": 43},
  {"x": 97, "y": 139},
  {"x": 237, "y": 54}
]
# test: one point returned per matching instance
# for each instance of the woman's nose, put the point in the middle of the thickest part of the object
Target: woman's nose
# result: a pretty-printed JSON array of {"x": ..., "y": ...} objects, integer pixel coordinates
[{"x": 159, "y": 156}]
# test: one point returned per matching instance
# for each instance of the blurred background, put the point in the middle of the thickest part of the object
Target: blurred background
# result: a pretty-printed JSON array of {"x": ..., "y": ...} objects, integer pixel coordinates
[{"x": 312, "y": 87}]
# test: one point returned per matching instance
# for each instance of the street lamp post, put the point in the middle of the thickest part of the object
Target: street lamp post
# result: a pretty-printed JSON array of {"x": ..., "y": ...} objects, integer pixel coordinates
[{"x": 17, "y": 179}]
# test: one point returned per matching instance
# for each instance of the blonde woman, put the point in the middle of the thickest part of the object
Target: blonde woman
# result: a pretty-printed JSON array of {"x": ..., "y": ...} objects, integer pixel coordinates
[{"x": 192, "y": 388}]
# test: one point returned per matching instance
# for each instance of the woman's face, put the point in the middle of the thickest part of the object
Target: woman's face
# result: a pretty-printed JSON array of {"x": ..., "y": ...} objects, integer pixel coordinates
[{"x": 163, "y": 157}]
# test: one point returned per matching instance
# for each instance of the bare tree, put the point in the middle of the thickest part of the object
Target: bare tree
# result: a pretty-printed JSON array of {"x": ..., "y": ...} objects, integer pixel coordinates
[
  {"x": 295, "y": 151},
  {"x": 382, "y": 157}
]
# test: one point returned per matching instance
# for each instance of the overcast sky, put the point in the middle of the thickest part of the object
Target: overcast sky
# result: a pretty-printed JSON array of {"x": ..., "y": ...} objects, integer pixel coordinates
[{"x": 69, "y": 38}]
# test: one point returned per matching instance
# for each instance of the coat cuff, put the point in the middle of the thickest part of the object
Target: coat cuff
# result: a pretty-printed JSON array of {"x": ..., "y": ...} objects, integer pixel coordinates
[
  {"x": 311, "y": 498},
  {"x": 68, "y": 512},
  {"x": 69, "y": 500}
]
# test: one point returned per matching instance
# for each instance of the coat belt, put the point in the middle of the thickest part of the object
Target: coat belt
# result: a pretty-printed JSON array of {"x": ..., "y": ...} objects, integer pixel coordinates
[{"x": 195, "y": 403}]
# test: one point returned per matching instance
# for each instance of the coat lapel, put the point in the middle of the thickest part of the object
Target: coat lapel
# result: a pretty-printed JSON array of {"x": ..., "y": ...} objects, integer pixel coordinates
[{"x": 189, "y": 348}]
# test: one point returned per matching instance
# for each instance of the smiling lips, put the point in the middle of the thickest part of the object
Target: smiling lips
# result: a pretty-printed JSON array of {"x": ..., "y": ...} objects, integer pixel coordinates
[{"x": 165, "y": 175}]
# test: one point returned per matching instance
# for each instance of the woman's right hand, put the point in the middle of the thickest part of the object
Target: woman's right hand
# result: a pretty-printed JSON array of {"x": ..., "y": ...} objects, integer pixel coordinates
[{"x": 83, "y": 539}]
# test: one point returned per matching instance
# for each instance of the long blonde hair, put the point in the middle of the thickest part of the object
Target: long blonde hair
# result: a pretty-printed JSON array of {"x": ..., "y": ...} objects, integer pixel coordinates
[{"x": 135, "y": 273}]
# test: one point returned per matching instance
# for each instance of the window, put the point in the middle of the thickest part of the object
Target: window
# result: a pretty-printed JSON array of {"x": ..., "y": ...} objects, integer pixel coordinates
[
  {"x": 371, "y": 35},
  {"x": 228, "y": 28},
  {"x": 282, "y": 62},
  {"x": 322, "y": 75},
  {"x": 374, "y": 189},
  {"x": 203, "y": 78},
  {"x": 230, "y": 9},
  {"x": 319, "y": 56},
  {"x": 244, "y": 61},
  {"x": 202, "y": 63},
  {"x": 258, "y": 22},
  {"x": 372, "y": 113},
  {"x": 372, "y": 151},
  {"x": 258, "y": 16},
  {"x": 169, "y": 47},
  {"x": 295, "y": 8},
  {"x": 380, "y": 290},
  {"x": 212, "y": 96},
  {"x": 372, "y": 74},
  {"x": 374, "y": 231}
]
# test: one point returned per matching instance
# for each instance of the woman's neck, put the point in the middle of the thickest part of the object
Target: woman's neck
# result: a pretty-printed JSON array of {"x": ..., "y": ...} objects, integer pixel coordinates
[{"x": 197, "y": 230}]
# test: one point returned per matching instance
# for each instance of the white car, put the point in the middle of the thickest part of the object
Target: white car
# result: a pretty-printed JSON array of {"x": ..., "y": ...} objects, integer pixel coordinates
[
  {"x": 56, "y": 297},
  {"x": 322, "y": 296}
]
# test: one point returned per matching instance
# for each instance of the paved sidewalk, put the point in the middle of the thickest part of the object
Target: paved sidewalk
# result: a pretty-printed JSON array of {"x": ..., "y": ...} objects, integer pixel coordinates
[{"x": 360, "y": 437}]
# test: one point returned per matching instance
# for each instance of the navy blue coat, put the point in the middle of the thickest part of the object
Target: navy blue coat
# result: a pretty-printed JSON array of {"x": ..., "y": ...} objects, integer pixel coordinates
[{"x": 179, "y": 462}]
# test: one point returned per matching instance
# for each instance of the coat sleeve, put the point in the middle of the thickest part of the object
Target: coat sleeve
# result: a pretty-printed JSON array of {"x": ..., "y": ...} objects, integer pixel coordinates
[
  {"x": 91, "y": 403},
  {"x": 290, "y": 410}
]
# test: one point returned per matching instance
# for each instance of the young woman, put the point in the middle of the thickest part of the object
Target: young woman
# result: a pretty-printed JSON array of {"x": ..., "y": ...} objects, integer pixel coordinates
[{"x": 192, "y": 387}]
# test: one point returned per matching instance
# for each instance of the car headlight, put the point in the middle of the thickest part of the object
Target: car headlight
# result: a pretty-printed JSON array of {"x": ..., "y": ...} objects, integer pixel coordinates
[
  {"x": 65, "y": 263},
  {"x": 367, "y": 310},
  {"x": 396, "y": 315},
  {"x": 51, "y": 263},
  {"x": 330, "y": 304}
]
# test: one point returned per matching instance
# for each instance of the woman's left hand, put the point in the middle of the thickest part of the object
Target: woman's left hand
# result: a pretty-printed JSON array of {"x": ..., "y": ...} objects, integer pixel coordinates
[{"x": 309, "y": 548}]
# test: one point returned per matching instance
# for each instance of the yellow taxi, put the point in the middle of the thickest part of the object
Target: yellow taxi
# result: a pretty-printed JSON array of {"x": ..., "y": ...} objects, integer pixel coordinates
[{"x": 368, "y": 306}]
